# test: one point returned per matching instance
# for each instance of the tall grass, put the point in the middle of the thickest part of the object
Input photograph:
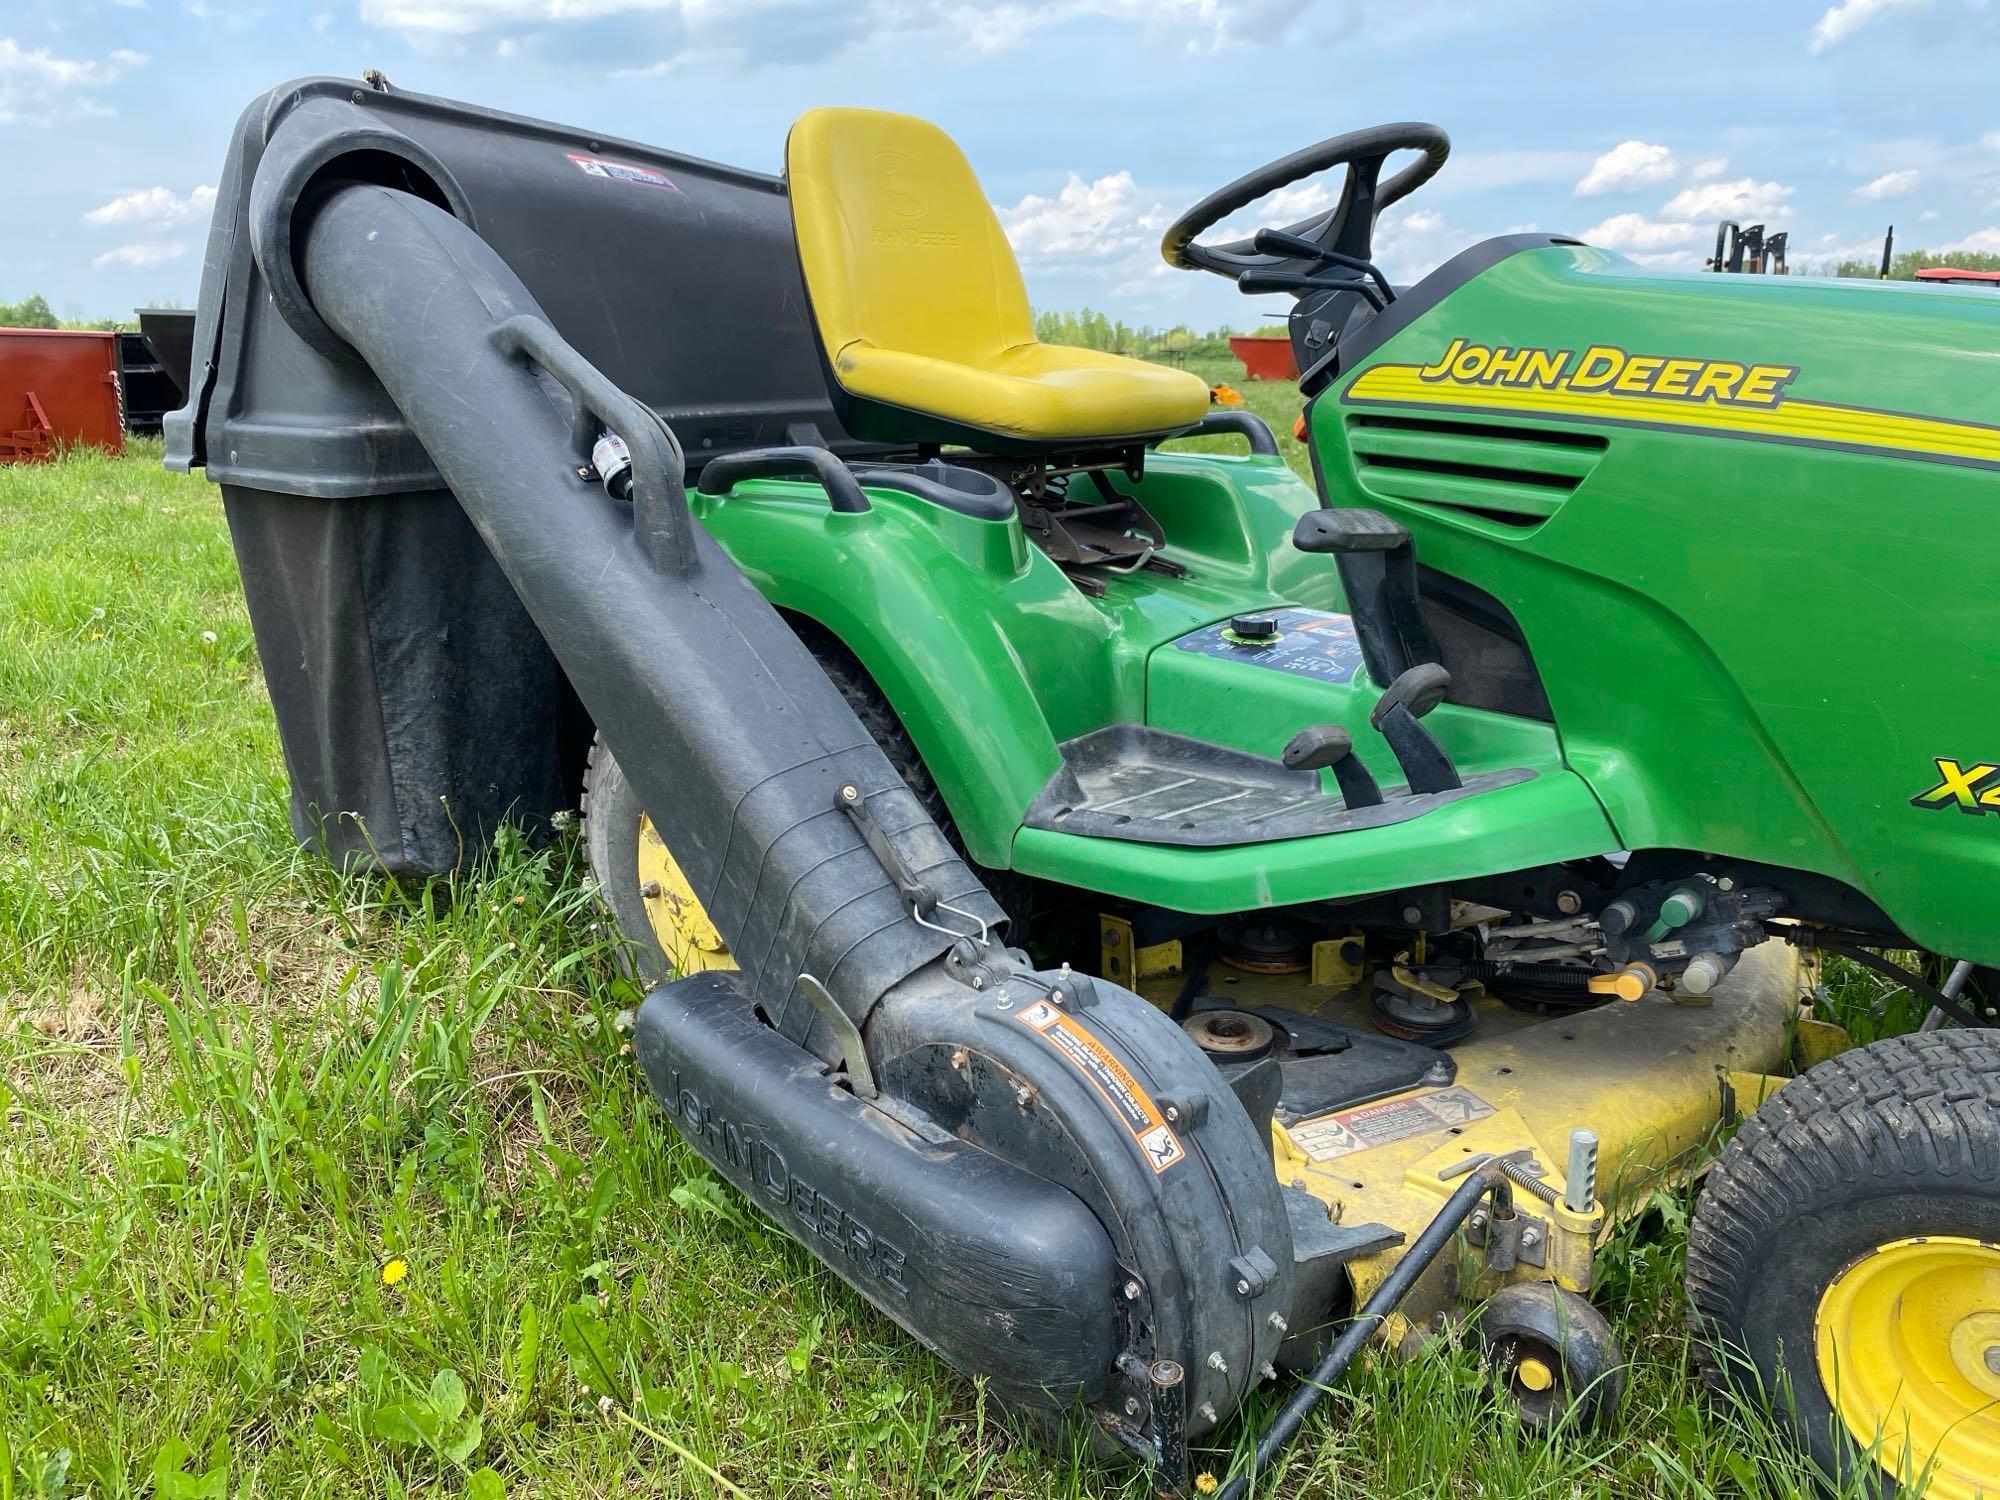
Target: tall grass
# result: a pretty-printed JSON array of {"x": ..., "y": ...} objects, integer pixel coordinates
[{"x": 315, "y": 1185}]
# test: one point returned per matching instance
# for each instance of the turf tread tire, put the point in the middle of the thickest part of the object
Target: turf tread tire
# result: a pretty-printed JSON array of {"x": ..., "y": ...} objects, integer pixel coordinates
[{"x": 1897, "y": 1138}]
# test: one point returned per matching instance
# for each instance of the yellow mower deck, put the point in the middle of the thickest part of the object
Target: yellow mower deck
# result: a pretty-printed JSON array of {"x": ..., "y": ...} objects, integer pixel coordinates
[{"x": 1651, "y": 1078}]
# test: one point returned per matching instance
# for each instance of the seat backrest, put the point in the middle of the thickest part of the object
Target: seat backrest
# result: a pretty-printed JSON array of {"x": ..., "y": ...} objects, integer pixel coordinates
[{"x": 899, "y": 246}]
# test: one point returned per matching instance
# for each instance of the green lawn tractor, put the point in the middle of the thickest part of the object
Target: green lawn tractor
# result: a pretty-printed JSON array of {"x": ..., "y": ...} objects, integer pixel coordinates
[{"x": 1150, "y": 925}]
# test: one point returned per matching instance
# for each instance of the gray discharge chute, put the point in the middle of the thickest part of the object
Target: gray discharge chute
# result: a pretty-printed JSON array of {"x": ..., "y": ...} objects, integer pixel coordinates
[{"x": 1023, "y": 1169}]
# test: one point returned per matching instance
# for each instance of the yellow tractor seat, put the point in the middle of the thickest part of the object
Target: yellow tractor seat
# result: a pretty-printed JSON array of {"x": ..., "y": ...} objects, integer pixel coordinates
[{"x": 921, "y": 312}]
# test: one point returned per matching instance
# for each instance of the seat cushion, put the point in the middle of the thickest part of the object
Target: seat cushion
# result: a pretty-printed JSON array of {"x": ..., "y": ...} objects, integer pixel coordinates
[
  {"x": 919, "y": 303},
  {"x": 1036, "y": 392}
]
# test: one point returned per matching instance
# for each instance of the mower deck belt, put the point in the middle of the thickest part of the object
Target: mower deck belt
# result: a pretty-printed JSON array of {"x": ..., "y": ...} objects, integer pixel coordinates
[{"x": 1129, "y": 781}]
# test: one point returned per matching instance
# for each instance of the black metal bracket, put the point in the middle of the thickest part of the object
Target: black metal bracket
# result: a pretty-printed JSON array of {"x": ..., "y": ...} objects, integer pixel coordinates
[{"x": 659, "y": 497}]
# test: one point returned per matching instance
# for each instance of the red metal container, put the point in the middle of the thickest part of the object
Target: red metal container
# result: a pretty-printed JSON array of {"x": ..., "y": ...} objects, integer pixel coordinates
[
  {"x": 1265, "y": 358},
  {"x": 1963, "y": 278},
  {"x": 58, "y": 386}
]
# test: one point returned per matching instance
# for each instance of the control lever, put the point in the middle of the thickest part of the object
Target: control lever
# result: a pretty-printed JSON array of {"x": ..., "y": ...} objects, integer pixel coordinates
[
  {"x": 1258, "y": 283},
  {"x": 1276, "y": 242},
  {"x": 1412, "y": 695},
  {"x": 1378, "y": 573},
  {"x": 1330, "y": 745}
]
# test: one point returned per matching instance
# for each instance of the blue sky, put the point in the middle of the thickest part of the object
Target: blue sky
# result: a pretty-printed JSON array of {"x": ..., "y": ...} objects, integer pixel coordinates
[{"x": 1091, "y": 122}]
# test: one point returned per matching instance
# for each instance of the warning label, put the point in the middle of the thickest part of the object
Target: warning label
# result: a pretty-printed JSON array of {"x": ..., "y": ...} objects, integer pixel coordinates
[
  {"x": 1110, "y": 1078},
  {"x": 592, "y": 166},
  {"x": 1308, "y": 643},
  {"x": 1371, "y": 1125}
]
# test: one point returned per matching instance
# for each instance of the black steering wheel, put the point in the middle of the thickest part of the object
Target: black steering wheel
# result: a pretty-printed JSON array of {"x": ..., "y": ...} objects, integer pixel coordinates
[{"x": 1342, "y": 236}]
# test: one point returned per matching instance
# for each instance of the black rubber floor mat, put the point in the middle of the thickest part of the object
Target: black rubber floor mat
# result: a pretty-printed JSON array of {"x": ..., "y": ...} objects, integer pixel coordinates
[{"x": 1128, "y": 781}]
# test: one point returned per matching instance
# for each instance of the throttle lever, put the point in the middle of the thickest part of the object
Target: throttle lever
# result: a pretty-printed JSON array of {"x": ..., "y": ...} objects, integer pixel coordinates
[{"x": 1412, "y": 695}]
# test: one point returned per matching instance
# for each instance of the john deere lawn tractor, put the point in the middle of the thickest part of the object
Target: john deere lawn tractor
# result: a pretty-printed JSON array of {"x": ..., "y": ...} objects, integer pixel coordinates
[{"x": 1150, "y": 925}]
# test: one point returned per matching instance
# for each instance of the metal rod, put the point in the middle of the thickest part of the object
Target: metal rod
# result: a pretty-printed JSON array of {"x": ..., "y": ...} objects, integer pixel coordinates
[
  {"x": 1278, "y": 1434},
  {"x": 1580, "y": 1181},
  {"x": 1953, "y": 984}
]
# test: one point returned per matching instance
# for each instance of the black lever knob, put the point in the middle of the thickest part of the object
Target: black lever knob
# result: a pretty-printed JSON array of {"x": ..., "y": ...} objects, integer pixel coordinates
[
  {"x": 1413, "y": 694},
  {"x": 1419, "y": 690},
  {"x": 1378, "y": 574},
  {"x": 1348, "y": 529},
  {"x": 1326, "y": 745}
]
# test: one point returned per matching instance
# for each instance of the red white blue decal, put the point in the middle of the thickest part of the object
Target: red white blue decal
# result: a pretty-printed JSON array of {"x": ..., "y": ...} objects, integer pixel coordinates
[{"x": 621, "y": 171}]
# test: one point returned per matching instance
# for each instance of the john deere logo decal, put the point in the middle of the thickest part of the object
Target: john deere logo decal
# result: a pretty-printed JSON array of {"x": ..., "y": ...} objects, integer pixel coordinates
[
  {"x": 1604, "y": 384},
  {"x": 1969, "y": 788},
  {"x": 1606, "y": 367}
]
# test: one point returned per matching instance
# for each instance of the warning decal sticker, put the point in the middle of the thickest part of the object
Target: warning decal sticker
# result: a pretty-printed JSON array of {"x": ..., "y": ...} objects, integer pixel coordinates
[
  {"x": 592, "y": 166},
  {"x": 1370, "y": 1125},
  {"x": 1110, "y": 1077},
  {"x": 1308, "y": 643}
]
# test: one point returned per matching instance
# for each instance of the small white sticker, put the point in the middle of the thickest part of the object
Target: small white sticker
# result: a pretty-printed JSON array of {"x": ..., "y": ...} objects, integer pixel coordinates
[
  {"x": 1389, "y": 1120},
  {"x": 620, "y": 171}
]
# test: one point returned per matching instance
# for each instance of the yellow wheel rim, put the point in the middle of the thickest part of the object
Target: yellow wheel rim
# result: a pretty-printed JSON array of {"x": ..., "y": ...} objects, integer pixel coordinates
[
  {"x": 1908, "y": 1344},
  {"x": 683, "y": 929}
]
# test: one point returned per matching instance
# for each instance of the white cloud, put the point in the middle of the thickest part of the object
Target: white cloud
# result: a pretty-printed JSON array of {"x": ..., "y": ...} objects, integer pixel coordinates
[
  {"x": 141, "y": 254},
  {"x": 1670, "y": 260},
  {"x": 1745, "y": 198},
  {"x": 1832, "y": 250},
  {"x": 429, "y": 20},
  {"x": 156, "y": 206},
  {"x": 37, "y": 87},
  {"x": 1301, "y": 200},
  {"x": 1637, "y": 232},
  {"x": 1702, "y": 171},
  {"x": 1991, "y": 140},
  {"x": 1629, "y": 164},
  {"x": 1085, "y": 221},
  {"x": 1483, "y": 171},
  {"x": 1890, "y": 184},
  {"x": 1411, "y": 243},
  {"x": 1981, "y": 240},
  {"x": 801, "y": 28},
  {"x": 1841, "y": 21}
]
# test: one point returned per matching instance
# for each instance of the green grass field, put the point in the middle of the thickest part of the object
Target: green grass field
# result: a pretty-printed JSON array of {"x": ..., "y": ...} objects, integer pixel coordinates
[{"x": 314, "y": 1186}]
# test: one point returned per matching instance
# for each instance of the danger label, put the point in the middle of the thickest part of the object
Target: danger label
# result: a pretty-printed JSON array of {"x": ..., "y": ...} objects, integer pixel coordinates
[
  {"x": 1371, "y": 1125},
  {"x": 1110, "y": 1077},
  {"x": 621, "y": 171}
]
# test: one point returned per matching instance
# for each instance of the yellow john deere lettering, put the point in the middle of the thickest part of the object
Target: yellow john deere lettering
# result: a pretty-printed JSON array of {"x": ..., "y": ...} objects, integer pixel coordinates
[
  {"x": 1604, "y": 383},
  {"x": 1605, "y": 367}
]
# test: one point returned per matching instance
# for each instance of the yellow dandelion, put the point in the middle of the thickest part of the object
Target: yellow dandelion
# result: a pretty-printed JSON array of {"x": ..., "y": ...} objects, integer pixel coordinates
[
  {"x": 1206, "y": 1483},
  {"x": 394, "y": 1271}
]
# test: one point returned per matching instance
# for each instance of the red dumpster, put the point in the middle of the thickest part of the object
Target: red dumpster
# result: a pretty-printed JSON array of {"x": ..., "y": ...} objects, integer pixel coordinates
[
  {"x": 58, "y": 386},
  {"x": 1265, "y": 357}
]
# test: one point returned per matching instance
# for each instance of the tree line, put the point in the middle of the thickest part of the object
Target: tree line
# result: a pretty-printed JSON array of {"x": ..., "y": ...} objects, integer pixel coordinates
[
  {"x": 1904, "y": 265},
  {"x": 33, "y": 311},
  {"x": 1087, "y": 328}
]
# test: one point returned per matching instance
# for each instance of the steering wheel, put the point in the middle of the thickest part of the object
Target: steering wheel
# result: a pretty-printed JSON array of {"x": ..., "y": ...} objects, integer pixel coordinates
[{"x": 1345, "y": 233}]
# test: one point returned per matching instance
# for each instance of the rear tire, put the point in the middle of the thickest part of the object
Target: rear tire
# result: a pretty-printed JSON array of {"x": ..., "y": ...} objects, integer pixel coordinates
[
  {"x": 611, "y": 814},
  {"x": 1887, "y": 1156}
]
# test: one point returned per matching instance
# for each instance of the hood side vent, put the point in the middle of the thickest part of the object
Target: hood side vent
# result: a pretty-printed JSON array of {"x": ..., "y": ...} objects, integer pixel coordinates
[{"x": 1514, "y": 474}]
